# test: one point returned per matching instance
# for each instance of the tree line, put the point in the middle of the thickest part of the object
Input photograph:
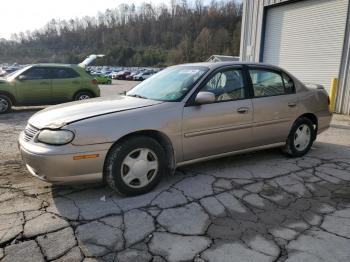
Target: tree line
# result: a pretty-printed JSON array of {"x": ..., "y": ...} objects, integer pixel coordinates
[{"x": 147, "y": 35}]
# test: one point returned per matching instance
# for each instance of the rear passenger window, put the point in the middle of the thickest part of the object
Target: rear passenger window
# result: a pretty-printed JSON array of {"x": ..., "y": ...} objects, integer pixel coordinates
[
  {"x": 266, "y": 83},
  {"x": 64, "y": 73}
]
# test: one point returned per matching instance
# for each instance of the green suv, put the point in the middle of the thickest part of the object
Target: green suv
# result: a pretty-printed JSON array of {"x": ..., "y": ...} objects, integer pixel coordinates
[
  {"x": 102, "y": 79},
  {"x": 44, "y": 84}
]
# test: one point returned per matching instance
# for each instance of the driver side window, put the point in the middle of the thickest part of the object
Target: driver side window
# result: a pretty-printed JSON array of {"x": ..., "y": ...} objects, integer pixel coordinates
[
  {"x": 226, "y": 85},
  {"x": 37, "y": 73}
]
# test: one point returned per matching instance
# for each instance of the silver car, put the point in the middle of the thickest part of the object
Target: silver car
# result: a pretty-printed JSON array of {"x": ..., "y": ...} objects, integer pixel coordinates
[{"x": 184, "y": 114}]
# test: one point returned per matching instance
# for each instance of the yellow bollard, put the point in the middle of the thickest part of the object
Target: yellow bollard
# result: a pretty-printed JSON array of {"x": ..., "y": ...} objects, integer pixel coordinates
[{"x": 333, "y": 93}]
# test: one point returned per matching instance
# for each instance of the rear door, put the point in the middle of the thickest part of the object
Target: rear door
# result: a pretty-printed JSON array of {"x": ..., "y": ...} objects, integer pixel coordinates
[
  {"x": 275, "y": 105},
  {"x": 33, "y": 86},
  {"x": 66, "y": 81},
  {"x": 223, "y": 126}
]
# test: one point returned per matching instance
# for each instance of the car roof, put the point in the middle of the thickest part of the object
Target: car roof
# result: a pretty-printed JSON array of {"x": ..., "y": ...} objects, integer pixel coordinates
[{"x": 214, "y": 65}]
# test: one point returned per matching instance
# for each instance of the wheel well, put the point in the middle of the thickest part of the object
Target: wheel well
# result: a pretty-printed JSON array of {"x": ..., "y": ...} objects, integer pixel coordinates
[
  {"x": 12, "y": 98},
  {"x": 161, "y": 138},
  {"x": 83, "y": 90},
  {"x": 311, "y": 117}
]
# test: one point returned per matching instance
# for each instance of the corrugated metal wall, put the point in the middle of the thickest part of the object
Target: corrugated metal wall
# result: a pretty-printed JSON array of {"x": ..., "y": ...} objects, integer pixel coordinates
[
  {"x": 343, "y": 96},
  {"x": 252, "y": 31}
]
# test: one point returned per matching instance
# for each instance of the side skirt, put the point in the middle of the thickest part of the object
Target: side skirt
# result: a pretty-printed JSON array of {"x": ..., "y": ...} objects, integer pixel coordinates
[{"x": 251, "y": 149}]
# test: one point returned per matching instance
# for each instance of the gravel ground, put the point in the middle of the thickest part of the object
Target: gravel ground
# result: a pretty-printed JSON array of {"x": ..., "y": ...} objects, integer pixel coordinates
[{"x": 255, "y": 207}]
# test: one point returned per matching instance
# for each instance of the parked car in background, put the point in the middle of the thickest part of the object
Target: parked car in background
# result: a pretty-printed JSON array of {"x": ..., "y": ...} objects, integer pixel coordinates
[
  {"x": 122, "y": 75},
  {"x": 143, "y": 75},
  {"x": 131, "y": 76},
  {"x": 2, "y": 72},
  {"x": 183, "y": 114},
  {"x": 103, "y": 80},
  {"x": 115, "y": 74},
  {"x": 44, "y": 84},
  {"x": 10, "y": 70}
]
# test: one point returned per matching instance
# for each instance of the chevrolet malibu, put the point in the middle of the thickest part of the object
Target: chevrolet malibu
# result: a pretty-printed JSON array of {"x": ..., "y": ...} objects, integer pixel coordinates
[{"x": 184, "y": 114}]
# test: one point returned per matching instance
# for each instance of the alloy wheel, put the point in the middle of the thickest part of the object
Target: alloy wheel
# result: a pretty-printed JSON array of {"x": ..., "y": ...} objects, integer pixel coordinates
[
  {"x": 4, "y": 105},
  {"x": 83, "y": 97}
]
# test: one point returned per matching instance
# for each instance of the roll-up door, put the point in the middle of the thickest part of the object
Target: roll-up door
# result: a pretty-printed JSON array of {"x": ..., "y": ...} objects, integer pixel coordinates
[{"x": 306, "y": 38}]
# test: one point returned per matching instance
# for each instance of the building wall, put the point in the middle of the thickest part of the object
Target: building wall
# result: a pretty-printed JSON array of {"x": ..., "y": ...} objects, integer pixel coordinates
[
  {"x": 252, "y": 21},
  {"x": 251, "y": 37}
]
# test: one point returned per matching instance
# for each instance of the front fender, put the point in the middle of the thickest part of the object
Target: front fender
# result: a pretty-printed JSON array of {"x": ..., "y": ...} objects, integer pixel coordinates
[{"x": 164, "y": 118}]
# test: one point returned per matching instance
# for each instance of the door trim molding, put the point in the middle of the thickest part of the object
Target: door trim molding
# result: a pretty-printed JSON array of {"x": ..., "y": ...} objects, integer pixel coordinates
[
  {"x": 271, "y": 122},
  {"x": 217, "y": 130}
]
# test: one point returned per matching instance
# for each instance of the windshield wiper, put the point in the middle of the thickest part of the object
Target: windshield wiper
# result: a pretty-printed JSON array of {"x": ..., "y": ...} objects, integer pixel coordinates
[{"x": 138, "y": 96}]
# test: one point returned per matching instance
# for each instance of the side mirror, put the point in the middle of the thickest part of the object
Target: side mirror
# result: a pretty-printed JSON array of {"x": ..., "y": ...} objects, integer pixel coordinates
[
  {"x": 22, "y": 77},
  {"x": 205, "y": 98}
]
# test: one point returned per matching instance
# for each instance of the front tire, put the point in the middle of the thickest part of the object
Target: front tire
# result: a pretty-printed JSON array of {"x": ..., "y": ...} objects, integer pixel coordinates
[
  {"x": 301, "y": 138},
  {"x": 83, "y": 96},
  {"x": 5, "y": 104},
  {"x": 135, "y": 166}
]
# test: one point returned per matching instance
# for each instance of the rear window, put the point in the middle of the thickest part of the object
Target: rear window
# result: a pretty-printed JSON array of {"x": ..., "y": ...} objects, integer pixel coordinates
[{"x": 60, "y": 73}]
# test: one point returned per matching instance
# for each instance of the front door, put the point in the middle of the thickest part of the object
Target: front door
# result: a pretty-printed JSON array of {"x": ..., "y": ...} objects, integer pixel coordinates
[
  {"x": 33, "y": 87},
  {"x": 223, "y": 126},
  {"x": 275, "y": 105}
]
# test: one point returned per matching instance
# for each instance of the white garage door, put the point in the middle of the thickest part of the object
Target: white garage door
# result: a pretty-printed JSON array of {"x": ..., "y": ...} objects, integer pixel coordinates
[{"x": 306, "y": 38}]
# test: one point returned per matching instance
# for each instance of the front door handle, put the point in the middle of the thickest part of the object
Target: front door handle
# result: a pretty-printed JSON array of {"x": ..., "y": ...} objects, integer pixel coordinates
[
  {"x": 292, "y": 104},
  {"x": 76, "y": 82},
  {"x": 243, "y": 110},
  {"x": 44, "y": 83}
]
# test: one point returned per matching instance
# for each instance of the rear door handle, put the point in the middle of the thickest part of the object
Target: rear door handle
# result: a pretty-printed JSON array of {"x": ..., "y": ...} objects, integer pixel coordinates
[
  {"x": 44, "y": 83},
  {"x": 292, "y": 104},
  {"x": 243, "y": 110}
]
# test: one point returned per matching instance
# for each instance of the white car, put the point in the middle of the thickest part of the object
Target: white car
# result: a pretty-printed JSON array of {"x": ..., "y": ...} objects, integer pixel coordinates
[{"x": 142, "y": 76}]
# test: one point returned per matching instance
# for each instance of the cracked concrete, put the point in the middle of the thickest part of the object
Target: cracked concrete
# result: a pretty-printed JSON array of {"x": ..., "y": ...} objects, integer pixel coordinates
[{"x": 255, "y": 207}]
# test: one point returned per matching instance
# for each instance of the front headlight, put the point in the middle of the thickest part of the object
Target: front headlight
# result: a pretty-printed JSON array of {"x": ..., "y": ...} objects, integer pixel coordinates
[{"x": 55, "y": 137}]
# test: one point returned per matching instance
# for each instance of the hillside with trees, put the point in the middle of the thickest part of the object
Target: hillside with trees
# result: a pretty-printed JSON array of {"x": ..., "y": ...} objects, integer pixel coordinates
[{"x": 146, "y": 35}]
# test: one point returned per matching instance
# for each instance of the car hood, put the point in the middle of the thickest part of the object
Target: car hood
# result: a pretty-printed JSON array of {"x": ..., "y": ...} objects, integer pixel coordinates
[{"x": 60, "y": 115}]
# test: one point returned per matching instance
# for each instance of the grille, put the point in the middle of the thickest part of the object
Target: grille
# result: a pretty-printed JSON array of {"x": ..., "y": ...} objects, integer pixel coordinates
[{"x": 29, "y": 132}]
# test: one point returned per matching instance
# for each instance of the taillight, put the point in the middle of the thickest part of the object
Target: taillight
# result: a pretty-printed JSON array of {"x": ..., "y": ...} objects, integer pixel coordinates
[{"x": 94, "y": 82}]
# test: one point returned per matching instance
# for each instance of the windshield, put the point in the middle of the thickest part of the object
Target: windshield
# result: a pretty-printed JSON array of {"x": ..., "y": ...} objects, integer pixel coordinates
[{"x": 170, "y": 84}]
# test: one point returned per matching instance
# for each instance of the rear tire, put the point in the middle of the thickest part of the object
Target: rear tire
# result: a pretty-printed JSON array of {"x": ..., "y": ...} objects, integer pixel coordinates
[
  {"x": 135, "y": 166},
  {"x": 83, "y": 95},
  {"x": 301, "y": 138},
  {"x": 5, "y": 104}
]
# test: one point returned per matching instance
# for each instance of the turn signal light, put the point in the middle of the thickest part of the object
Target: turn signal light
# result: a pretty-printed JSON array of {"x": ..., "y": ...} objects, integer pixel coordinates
[
  {"x": 94, "y": 82},
  {"x": 85, "y": 157}
]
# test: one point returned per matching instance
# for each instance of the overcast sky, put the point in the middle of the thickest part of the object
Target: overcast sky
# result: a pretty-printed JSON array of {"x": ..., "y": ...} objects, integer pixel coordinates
[{"x": 22, "y": 15}]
